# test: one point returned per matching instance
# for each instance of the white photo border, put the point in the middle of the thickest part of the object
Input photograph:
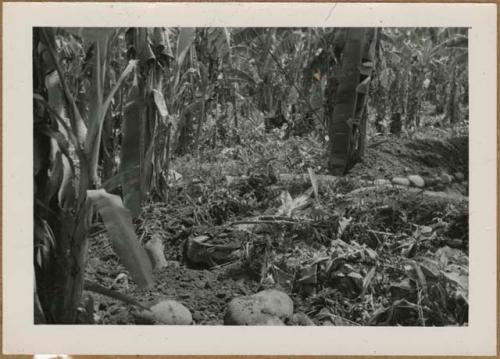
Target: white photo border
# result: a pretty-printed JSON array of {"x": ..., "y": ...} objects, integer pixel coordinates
[{"x": 21, "y": 336}]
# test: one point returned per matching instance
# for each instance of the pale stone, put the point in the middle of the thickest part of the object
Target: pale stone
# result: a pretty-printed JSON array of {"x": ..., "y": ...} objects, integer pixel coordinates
[
  {"x": 269, "y": 307},
  {"x": 459, "y": 176},
  {"x": 401, "y": 181},
  {"x": 417, "y": 181},
  {"x": 446, "y": 178},
  {"x": 172, "y": 313}
]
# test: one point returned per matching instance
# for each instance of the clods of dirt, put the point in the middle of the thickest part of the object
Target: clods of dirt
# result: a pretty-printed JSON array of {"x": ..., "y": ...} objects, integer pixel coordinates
[{"x": 396, "y": 156}]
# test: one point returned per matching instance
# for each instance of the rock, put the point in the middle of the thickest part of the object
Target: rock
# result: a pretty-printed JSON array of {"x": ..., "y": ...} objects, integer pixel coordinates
[
  {"x": 381, "y": 182},
  {"x": 300, "y": 318},
  {"x": 167, "y": 312},
  {"x": 268, "y": 307},
  {"x": 416, "y": 181},
  {"x": 155, "y": 248},
  {"x": 446, "y": 178},
  {"x": 401, "y": 181},
  {"x": 459, "y": 176}
]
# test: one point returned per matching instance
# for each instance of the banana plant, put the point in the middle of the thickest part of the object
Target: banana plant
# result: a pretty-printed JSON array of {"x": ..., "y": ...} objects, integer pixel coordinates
[
  {"x": 347, "y": 125},
  {"x": 66, "y": 151},
  {"x": 427, "y": 56}
]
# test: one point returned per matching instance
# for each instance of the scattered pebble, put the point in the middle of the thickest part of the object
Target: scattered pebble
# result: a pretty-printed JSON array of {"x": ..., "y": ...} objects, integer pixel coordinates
[
  {"x": 268, "y": 307},
  {"x": 417, "y": 181},
  {"x": 459, "y": 176},
  {"x": 401, "y": 181},
  {"x": 167, "y": 312},
  {"x": 446, "y": 178}
]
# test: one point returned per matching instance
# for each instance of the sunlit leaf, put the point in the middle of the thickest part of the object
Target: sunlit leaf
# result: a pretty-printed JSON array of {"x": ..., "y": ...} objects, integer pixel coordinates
[
  {"x": 161, "y": 106},
  {"x": 118, "y": 223}
]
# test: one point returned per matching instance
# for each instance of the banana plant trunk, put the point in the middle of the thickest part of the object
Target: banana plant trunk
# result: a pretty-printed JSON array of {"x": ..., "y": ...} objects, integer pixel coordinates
[
  {"x": 60, "y": 212},
  {"x": 347, "y": 125}
]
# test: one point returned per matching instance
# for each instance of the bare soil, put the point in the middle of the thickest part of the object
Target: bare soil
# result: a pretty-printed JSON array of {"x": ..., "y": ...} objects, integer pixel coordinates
[{"x": 390, "y": 227}]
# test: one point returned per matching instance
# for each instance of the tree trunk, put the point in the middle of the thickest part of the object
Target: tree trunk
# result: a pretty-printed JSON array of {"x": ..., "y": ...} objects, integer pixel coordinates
[{"x": 346, "y": 130}]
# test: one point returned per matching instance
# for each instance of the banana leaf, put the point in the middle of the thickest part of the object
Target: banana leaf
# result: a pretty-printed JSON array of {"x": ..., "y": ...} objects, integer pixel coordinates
[{"x": 118, "y": 223}]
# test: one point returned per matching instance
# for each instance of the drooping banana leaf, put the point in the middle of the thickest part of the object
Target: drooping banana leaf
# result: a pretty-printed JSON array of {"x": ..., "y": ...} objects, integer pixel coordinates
[{"x": 118, "y": 223}]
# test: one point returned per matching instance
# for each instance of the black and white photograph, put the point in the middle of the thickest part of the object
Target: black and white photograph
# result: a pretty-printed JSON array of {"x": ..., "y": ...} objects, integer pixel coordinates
[
  {"x": 251, "y": 176},
  {"x": 262, "y": 176}
]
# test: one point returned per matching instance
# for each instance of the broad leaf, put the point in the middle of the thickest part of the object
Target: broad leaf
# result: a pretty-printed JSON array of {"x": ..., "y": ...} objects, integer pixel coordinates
[
  {"x": 118, "y": 223},
  {"x": 184, "y": 42}
]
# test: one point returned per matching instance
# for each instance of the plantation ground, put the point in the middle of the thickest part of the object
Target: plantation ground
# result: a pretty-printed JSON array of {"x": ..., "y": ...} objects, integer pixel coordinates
[{"x": 364, "y": 252}]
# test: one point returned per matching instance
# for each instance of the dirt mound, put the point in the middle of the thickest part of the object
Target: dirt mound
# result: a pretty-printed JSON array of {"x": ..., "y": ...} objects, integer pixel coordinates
[{"x": 394, "y": 156}]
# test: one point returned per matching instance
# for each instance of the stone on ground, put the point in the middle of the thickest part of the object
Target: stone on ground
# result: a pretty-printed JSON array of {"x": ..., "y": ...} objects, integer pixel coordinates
[
  {"x": 167, "y": 312},
  {"x": 446, "y": 178},
  {"x": 416, "y": 181},
  {"x": 401, "y": 181},
  {"x": 459, "y": 176},
  {"x": 268, "y": 307}
]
